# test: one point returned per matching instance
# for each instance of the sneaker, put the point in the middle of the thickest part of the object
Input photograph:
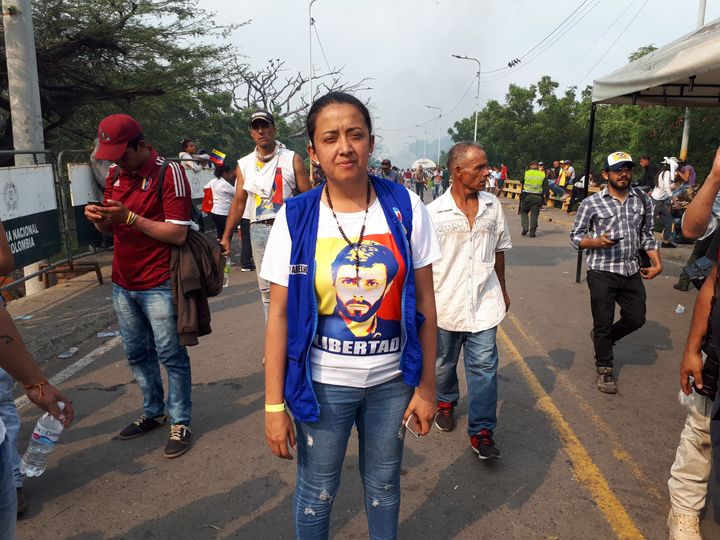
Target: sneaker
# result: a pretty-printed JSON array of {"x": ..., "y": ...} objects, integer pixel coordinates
[
  {"x": 141, "y": 426},
  {"x": 680, "y": 287},
  {"x": 247, "y": 269},
  {"x": 683, "y": 526},
  {"x": 531, "y": 234},
  {"x": 444, "y": 419},
  {"x": 668, "y": 245},
  {"x": 606, "y": 381},
  {"x": 524, "y": 232},
  {"x": 483, "y": 445},
  {"x": 21, "y": 504},
  {"x": 179, "y": 441}
]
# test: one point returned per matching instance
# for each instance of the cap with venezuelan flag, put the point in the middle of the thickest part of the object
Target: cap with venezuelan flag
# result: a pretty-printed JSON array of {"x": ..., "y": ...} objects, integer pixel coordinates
[{"x": 217, "y": 157}]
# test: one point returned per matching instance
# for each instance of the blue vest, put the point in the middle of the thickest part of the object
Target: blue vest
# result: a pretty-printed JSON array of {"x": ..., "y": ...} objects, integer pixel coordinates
[{"x": 303, "y": 213}]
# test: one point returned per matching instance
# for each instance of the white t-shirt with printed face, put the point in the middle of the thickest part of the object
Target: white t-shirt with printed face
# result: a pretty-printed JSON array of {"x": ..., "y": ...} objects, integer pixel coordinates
[{"x": 358, "y": 340}]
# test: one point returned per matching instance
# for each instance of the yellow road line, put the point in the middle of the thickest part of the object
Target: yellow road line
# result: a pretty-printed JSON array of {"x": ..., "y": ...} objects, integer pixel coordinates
[
  {"x": 583, "y": 466},
  {"x": 617, "y": 448}
]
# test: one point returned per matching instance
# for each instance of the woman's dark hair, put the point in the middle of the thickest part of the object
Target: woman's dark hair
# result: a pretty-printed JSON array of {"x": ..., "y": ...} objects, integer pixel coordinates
[
  {"x": 185, "y": 143},
  {"x": 226, "y": 167},
  {"x": 332, "y": 98}
]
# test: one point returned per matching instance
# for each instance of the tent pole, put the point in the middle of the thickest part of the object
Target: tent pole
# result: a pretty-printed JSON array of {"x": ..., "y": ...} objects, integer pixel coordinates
[{"x": 588, "y": 161}]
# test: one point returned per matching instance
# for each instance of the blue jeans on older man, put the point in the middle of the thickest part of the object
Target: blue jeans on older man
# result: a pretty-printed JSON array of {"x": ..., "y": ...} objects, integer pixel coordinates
[
  {"x": 377, "y": 412},
  {"x": 148, "y": 327},
  {"x": 481, "y": 361}
]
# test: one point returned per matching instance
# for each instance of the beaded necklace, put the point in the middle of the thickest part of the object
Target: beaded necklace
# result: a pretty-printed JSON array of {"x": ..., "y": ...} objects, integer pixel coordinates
[{"x": 362, "y": 229}]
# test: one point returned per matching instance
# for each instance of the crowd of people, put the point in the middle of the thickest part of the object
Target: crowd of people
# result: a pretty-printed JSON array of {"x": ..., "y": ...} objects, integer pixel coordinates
[{"x": 350, "y": 274}]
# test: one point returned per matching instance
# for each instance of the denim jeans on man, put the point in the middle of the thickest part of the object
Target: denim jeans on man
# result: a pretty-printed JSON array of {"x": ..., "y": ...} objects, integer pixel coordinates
[
  {"x": 8, "y": 498},
  {"x": 148, "y": 327},
  {"x": 481, "y": 361},
  {"x": 377, "y": 412},
  {"x": 259, "y": 234},
  {"x": 9, "y": 416}
]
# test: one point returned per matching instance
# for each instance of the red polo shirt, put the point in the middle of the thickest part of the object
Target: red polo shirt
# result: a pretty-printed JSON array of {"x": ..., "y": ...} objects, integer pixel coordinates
[{"x": 141, "y": 262}]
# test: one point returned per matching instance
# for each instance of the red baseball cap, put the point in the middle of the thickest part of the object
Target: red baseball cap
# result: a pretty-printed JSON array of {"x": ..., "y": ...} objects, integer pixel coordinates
[{"x": 114, "y": 133}]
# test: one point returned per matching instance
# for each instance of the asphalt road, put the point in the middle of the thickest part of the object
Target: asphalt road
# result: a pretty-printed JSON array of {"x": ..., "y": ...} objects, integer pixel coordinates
[{"x": 575, "y": 463}]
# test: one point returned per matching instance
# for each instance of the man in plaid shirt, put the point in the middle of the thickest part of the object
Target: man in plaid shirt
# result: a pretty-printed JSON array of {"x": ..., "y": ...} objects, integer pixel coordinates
[{"x": 612, "y": 225}]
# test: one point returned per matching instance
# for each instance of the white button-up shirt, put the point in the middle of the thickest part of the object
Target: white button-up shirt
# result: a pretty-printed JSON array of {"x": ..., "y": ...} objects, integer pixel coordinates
[{"x": 467, "y": 290}]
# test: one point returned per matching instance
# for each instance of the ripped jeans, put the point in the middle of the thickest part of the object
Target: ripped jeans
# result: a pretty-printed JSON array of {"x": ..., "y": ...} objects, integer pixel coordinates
[{"x": 377, "y": 412}]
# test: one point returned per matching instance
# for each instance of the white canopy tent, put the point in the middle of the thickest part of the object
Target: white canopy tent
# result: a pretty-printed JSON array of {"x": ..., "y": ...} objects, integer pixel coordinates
[
  {"x": 425, "y": 163},
  {"x": 684, "y": 73}
]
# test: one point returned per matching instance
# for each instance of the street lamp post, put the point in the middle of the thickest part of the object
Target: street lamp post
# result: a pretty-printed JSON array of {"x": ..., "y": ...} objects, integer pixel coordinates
[
  {"x": 310, "y": 29},
  {"x": 439, "y": 132},
  {"x": 424, "y": 141},
  {"x": 477, "y": 95},
  {"x": 416, "y": 144}
]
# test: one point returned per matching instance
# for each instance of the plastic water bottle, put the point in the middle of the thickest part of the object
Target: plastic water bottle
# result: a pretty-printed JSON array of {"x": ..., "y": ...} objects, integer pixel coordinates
[
  {"x": 226, "y": 273},
  {"x": 46, "y": 433}
]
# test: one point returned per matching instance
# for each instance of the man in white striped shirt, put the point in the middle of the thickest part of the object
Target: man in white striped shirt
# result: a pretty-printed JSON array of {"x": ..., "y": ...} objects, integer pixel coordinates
[{"x": 146, "y": 223}]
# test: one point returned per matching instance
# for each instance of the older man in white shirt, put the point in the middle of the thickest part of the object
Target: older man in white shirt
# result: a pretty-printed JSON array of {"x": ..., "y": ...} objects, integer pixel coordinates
[{"x": 470, "y": 294}]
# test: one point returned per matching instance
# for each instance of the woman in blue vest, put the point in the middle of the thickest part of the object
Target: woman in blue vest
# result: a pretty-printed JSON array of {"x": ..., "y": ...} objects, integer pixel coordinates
[{"x": 352, "y": 327}]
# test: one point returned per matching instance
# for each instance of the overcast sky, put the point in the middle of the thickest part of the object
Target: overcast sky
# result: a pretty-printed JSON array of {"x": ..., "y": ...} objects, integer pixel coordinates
[{"x": 406, "y": 47}]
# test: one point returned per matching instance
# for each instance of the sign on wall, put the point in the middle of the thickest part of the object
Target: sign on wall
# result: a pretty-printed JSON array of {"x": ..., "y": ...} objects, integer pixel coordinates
[{"x": 29, "y": 213}]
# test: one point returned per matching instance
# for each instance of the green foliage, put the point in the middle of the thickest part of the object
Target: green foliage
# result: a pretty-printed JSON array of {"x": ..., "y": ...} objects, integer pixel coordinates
[{"x": 535, "y": 124}]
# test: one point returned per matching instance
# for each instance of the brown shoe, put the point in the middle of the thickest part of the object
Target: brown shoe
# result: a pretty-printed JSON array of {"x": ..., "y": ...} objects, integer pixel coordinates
[{"x": 606, "y": 381}]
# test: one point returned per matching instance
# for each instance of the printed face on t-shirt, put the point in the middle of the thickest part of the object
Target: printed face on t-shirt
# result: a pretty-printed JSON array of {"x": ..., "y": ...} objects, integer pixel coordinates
[
  {"x": 360, "y": 290},
  {"x": 359, "y": 302}
]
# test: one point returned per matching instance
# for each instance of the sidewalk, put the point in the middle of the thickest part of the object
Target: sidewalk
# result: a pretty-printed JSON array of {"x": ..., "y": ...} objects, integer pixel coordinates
[{"x": 67, "y": 314}]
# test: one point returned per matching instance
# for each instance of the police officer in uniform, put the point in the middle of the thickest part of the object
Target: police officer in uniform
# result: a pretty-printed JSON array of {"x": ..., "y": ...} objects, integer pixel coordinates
[{"x": 534, "y": 192}]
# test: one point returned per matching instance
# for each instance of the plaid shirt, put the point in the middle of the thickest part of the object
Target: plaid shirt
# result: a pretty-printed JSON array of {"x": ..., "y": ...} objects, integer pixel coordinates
[{"x": 631, "y": 221}]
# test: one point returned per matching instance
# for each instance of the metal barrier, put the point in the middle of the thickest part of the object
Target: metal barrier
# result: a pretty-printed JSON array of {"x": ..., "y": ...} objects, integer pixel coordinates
[
  {"x": 71, "y": 229},
  {"x": 22, "y": 237}
]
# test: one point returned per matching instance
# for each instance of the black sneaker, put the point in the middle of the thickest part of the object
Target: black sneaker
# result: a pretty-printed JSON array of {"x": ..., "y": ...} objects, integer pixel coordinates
[
  {"x": 483, "y": 445},
  {"x": 524, "y": 232},
  {"x": 606, "y": 381},
  {"x": 668, "y": 245},
  {"x": 531, "y": 234},
  {"x": 680, "y": 287},
  {"x": 444, "y": 419},
  {"x": 179, "y": 441},
  {"x": 141, "y": 426}
]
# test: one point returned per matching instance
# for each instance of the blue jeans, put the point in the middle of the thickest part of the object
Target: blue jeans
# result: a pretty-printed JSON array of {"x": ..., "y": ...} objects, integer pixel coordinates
[
  {"x": 377, "y": 412},
  {"x": 9, "y": 416},
  {"x": 481, "y": 361},
  {"x": 259, "y": 234},
  {"x": 148, "y": 327},
  {"x": 557, "y": 190},
  {"x": 8, "y": 498}
]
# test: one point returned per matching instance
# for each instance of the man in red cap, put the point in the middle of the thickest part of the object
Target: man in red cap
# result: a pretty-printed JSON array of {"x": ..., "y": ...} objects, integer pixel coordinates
[{"x": 146, "y": 222}]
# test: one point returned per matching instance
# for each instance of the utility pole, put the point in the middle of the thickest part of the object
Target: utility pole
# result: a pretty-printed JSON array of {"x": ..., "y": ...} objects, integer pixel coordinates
[
  {"x": 424, "y": 141},
  {"x": 686, "y": 125},
  {"x": 477, "y": 95},
  {"x": 24, "y": 92},
  {"x": 439, "y": 128}
]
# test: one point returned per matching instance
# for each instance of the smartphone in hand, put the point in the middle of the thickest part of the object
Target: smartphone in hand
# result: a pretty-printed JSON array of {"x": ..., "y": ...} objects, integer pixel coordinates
[{"x": 412, "y": 425}]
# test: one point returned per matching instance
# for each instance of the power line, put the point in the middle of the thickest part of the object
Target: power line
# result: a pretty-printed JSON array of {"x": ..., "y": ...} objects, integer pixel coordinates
[
  {"x": 322, "y": 50},
  {"x": 610, "y": 27},
  {"x": 613, "y": 43}
]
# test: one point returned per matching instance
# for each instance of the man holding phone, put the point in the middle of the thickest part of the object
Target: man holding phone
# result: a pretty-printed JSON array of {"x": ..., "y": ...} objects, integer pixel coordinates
[
  {"x": 613, "y": 225},
  {"x": 146, "y": 223}
]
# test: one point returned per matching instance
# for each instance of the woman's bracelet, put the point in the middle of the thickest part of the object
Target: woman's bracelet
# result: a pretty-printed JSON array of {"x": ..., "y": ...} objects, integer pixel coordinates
[
  {"x": 280, "y": 407},
  {"x": 38, "y": 385}
]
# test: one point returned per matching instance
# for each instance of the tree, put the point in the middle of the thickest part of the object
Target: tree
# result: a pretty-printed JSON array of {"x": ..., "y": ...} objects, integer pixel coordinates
[{"x": 98, "y": 55}]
